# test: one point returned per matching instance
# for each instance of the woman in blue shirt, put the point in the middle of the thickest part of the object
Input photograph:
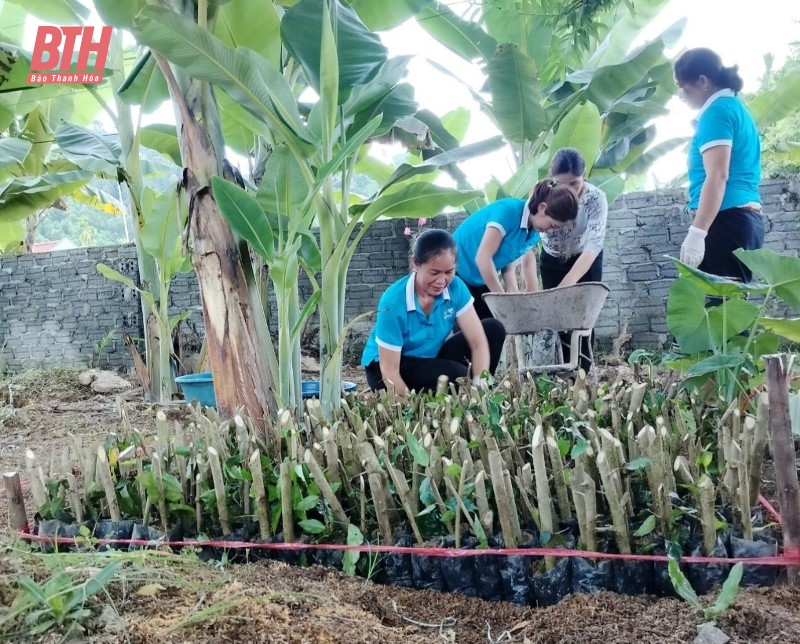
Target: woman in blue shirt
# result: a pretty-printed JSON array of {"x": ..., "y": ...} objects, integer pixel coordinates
[
  {"x": 495, "y": 237},
  {"x": 409, "y": 346},
  {"x": 724, "y": 167}
]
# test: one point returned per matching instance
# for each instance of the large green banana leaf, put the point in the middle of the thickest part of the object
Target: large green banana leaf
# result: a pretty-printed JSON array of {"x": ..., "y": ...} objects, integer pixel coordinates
[{"x": 360, "y": 52}]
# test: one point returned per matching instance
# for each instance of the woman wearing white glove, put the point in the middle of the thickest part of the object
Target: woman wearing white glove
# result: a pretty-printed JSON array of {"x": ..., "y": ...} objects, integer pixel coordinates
[{"x": 724, "y": 167}]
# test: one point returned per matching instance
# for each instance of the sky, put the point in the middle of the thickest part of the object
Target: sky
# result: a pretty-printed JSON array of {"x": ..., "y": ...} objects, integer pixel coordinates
[{"x": 731, "y": 27}]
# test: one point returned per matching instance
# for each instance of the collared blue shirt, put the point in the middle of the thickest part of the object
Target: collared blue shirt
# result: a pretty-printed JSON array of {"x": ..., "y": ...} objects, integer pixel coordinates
[
  {"x": 403, "y": 327},
  {"x": 510, "y": 217},
  {"x": 724, "y": 120}
]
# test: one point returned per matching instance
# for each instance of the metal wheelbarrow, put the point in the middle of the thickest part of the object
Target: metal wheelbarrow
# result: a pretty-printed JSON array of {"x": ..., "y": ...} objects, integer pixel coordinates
[{"x": 572, "y": 309}]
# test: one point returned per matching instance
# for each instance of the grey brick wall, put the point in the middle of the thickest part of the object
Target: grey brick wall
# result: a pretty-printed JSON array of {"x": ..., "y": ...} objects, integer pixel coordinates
[{"x": 56, "y": 306}]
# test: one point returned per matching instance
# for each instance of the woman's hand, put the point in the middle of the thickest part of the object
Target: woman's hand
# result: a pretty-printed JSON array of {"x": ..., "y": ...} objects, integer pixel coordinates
[
  {"x": 390, "y": 371},
  {"x": 471, "y": 327}
]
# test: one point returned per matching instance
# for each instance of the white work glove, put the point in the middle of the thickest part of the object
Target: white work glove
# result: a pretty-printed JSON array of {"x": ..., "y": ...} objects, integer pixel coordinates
[{"x": 694, "y": 247}]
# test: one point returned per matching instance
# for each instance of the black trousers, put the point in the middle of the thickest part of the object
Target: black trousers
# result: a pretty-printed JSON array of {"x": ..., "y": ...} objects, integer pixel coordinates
[
  {"x": 553, "y": 270},
  {"x": 732, "y": 229},
  {"x": 452, "y": 361},
  {"x": 481, "y": 308}
]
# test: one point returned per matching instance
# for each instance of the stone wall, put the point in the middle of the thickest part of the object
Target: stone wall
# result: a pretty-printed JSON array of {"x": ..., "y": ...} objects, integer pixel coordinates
[{"x": 56, "y": 307}]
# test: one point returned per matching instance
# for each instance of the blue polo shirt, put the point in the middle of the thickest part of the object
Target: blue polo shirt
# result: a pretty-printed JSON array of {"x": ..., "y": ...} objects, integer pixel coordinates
[
  {"x": 724, "y": 120},
  {"x": 402, "y": 326},
  {"x": 510, "y": 217}
]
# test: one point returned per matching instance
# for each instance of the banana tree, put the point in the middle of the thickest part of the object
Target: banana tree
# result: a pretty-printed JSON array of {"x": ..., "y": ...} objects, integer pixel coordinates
[
  {"x": 597, "y": 97},
  {"x": 236, "y": 343}
]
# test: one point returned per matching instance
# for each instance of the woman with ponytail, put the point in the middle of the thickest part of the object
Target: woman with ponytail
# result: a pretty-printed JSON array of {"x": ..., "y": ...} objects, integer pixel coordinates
[
  {"x": 494, "y": 238},
  {"x": 724, "y": 167}
]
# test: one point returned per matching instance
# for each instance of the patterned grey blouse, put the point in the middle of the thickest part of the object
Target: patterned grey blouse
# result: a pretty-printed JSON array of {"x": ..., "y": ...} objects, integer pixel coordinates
[{"x": 587, "y": 232}]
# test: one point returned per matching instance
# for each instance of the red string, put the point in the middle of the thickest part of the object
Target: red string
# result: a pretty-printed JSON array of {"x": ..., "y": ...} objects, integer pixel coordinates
[
  {"x": 769, "y": 508},
  {"x": 782, "y": 560}
]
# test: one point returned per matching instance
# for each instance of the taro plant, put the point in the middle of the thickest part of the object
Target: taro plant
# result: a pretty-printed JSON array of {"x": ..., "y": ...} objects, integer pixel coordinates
[{"x": 723, "y": 328}]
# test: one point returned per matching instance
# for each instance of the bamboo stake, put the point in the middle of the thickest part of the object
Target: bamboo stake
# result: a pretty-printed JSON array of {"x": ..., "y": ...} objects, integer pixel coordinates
[
  {"x": 615, "y": 506},
  {"x": 219, "y": 489},
  {"x": 260, "y": 493},
  {"x": 401, "y": 486},
  {"x": 158, "y": 475},
  {"x": 38, "y": 488},
  {"x": 363, "y": 505},
  {"x": 198, "y": 506},
  {"x": 331, "y": 456},
  {"x": 589, "y": 489},
  {"x": 578, "y": 497},
  {"x": 324, "y": 487},
  {"x": 16, "y": 502},
  {"x": 287, "y": 514},
  {"x": 107, "y": 483},
  {"x": 512, "y": 506},
  {"x": 80, "y": 455}
]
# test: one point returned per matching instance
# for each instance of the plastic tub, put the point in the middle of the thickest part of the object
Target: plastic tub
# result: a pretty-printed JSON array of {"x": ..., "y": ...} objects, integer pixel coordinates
[
  {"x": 199, "y": 387},
  {"x": 310, "y": 388}
]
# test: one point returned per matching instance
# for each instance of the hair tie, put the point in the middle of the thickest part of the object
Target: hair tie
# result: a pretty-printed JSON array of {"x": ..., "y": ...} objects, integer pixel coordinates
[{"x": 552, "y": 183}]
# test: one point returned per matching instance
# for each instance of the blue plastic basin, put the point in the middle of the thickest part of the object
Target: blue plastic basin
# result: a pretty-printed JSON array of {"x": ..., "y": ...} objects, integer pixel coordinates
[
  {"x": 310, "y": 388},
  {"x": 199, "y": 387}
]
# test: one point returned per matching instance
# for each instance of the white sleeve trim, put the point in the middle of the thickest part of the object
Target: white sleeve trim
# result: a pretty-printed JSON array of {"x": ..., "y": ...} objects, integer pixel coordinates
[
  {"x": 390, "y": 347},
  {"x": 716, "y": 143},
  {"x": 494, "y": 224},
  {"x": 466, "y": 307}
]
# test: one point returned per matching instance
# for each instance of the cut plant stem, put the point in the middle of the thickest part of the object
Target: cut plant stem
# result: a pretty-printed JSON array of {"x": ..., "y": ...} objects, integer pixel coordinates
[
  {"x": 618, "y": 517},
  {"x": 324, "y": 487},
  {"x": 107, "y": 483},
  {"x": 287, "y": 513},
  {"x": 75, "y": 497},
  {"x": 35, "y": 476},
  {"x": 496, "y": 469},
  {"x": 381, "y": 511},
  {"x": 158, "y": 475},
  {"x": 542, "y": 488},
  {"x": 706, "y": 498},
  {"x": 760, "y": 439},
  {"x": 485, "y": 513},
  {"x": 559, "y": 479},
  {"x": 401, "y": 486},
  {"x": 260, "y": 493},
  {"x": 219, "y": 489}
]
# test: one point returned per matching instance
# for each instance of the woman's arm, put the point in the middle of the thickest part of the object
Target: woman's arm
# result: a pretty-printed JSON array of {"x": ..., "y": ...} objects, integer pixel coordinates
[
  {"x": 579, "y": 268},
  {"x": 485, "y": 258},
  {"x": 716, "y": 162},
  {"x": 390, "y": 370},
  {"x": 471, "y": 327},
  {"x": 529, "y": 271},
  {"x": 510, "y": 278}
]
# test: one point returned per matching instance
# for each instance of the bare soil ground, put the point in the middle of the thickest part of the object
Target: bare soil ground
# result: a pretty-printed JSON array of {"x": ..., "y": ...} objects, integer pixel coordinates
[{"x": 162, "y": 597}]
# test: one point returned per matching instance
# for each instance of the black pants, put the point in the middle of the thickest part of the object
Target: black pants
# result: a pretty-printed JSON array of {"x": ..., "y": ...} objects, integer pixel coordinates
[
  {"x": 481, "y": 308},
  {"x": 732, "y": 229},
  {"x": 553, "y": 270},
  {"x": 452, "y": 361}
]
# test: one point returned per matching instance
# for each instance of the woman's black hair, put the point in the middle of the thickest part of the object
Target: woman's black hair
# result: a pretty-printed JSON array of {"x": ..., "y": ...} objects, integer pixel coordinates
[
  {"x": 431, "y": 243},
  {"x": 694, "y": 63},
  {"x": 567, "y": 160},
  {"x": 560, "y": 199}
]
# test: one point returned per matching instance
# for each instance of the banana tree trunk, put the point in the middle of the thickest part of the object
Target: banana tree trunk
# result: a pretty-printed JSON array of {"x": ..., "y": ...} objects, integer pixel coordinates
[{"x": 238, "y": 361}]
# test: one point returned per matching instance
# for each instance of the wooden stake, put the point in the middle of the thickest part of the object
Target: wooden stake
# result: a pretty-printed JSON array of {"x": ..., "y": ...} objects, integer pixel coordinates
[
  {"x": 485, "y": 513},
  {"x": 287, "y": 513},
  {"x": 760, "y": 439},
  {"x": 75, "y": 497},
  {"x": 559, "y": 480},
  {"x": 618, "y": 517},
  {"x": 501, "y": 499},
  {"x": 784, "y": 456},
  {"x": 706, "y": 498},
  {"x": 16, "y": 502},
  {"x": 401, "y": 486},
  {"x": 38, "y": 488},
  {"x": 542, "y": 488}
]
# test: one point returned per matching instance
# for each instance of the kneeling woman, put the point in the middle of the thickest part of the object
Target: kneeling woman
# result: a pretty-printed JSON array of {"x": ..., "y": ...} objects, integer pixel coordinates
[{"x": 409, "y": 346}]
